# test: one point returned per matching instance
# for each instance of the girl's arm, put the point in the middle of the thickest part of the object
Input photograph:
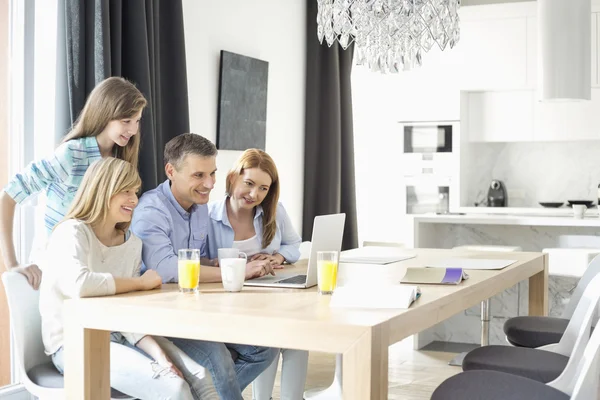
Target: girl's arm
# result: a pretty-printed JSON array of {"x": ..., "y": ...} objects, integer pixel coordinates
[
  {"x": 36, "y": 177},
  {"x": 151, "y": 347}
]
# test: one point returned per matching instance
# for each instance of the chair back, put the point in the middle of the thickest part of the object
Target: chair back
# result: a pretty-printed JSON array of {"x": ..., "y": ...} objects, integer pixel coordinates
[
  {"x": 576, "y": 338},
  {"x": 25, "y": 322},
  {"x": 592, "y": 270},
  {"x": 305, "y": 250}
]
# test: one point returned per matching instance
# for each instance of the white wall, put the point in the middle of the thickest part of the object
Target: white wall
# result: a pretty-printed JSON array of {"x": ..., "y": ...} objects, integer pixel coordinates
[{"x": 270, "y": 30}]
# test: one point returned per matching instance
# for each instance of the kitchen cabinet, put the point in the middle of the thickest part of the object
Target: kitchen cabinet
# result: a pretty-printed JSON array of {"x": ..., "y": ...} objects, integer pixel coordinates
[
  {"x": 494, "y": 53},
  {"x": 505, "y": 116},
  {"x": 567, "y": 121}
]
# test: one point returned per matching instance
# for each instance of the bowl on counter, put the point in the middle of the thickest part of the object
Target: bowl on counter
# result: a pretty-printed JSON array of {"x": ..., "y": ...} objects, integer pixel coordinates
[
  {"x": 551, "y": 204},
  {"x": 587, "y": 203}
]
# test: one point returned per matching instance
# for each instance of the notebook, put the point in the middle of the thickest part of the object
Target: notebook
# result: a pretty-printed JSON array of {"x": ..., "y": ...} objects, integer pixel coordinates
[
  {"x": 443, "y": 276},
  {"x": 374, "y": 255},
  {"x": 381, "y": 296},
  {"x": 471, "y": 263}
]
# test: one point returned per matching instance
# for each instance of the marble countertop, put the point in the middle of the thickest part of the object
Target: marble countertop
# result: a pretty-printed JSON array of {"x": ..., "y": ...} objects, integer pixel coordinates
[{"x": 509, "y": 219}]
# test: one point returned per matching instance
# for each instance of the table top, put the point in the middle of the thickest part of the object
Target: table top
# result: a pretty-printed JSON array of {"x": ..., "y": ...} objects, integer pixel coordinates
[{"x": 301, "y": 318}]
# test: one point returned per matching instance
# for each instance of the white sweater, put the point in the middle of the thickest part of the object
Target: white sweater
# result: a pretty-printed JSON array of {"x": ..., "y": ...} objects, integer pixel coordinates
[{"x": 78, "y": 265}]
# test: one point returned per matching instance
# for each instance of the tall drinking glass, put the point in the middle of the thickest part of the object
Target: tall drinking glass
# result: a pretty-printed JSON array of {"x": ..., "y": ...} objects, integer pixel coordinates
[
  {"x": 327, "y": 269},
  {"x": 188, "y": 270}
]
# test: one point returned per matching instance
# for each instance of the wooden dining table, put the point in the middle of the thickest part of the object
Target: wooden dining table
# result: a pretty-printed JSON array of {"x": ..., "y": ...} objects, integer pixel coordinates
[{"x": 290, "y": 318}]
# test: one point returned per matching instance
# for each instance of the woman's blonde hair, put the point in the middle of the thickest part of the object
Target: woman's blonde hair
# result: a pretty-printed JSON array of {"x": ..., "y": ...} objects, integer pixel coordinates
[
  {"x": 255, "y": 158},
  {"x": 103, "y": 180},
  {"x": 114, "y": 98}
]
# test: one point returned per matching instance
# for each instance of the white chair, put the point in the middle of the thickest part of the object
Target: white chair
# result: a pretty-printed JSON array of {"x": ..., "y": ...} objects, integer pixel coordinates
[
  {"x": 334, "y": 391},
  {"x": 37, "y": 373},
  {"x": 535, "y": 331},
  {"x": 579, "y": 380},
  {"x": 305, "y": 250}
]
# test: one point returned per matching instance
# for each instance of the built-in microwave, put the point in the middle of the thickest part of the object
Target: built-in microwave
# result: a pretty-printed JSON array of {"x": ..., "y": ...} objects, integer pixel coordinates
[
  {"x": 430, "y": 147},
  {"x": 428, "y": 194}
]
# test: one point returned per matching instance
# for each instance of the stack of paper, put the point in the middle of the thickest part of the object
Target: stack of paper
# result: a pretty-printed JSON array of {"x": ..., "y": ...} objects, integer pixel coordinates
[
  {"x": 379, "y": 296},
  {"x": 447, "y": 276}
]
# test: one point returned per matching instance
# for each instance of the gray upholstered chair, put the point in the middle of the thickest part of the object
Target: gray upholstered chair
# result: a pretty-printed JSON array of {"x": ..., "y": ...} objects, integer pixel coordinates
[
  {"x": 578, "y": 381},
  {"x": 533, "y": 332},
  {"x": 546, "y": 364},
  {"x": 37, "y": 373}
]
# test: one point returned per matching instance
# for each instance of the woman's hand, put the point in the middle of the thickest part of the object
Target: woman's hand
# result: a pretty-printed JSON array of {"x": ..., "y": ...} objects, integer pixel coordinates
[
  {"x": 149, "y": 345},
  {"x": 150, "y": 280},
  {"x": 164, "y": 361},
  {"x": 276, "y": 260},
  {"x": 32, "y": 273},
  {"x": 258, "y": 268}
]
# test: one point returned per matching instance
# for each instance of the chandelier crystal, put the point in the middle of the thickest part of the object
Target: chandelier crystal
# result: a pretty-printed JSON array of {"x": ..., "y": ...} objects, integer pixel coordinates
[{"x": 389, "y": 35}]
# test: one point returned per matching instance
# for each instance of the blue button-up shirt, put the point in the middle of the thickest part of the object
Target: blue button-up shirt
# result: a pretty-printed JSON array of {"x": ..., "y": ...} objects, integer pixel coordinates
[
  {"x": 285, "y": 242},
  {"x": 165, "y": 227}
]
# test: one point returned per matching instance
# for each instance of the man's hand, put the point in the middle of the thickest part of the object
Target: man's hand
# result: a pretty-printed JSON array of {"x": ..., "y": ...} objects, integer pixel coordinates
[{"x": 32, "y": 273}]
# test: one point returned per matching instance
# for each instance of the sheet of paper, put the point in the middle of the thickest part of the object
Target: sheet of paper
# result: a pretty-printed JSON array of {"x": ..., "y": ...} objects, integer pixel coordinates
[
  {"x": 380, "y": 296},
  {"x": 375, "y": 255},
  {"x": 471, "y": 263}
]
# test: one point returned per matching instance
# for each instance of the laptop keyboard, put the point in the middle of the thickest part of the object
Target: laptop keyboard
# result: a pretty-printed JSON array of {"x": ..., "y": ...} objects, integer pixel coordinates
[{"x": 298, "y": 279}]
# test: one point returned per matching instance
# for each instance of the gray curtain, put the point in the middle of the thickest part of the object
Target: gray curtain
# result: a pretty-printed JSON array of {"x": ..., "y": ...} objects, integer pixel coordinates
[
  {"x": 143, "y": 41},
  {"x": 329, "y": 185}
]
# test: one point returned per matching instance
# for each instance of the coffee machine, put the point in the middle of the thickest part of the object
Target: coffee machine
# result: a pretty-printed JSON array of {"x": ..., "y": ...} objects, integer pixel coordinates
[{"x": 497, "y": 196}]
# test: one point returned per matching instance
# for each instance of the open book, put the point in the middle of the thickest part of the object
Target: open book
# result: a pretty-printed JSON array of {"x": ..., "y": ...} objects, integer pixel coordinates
[
  {"x": 381, "y": 296},
  {"x": 446, "y": 276}
]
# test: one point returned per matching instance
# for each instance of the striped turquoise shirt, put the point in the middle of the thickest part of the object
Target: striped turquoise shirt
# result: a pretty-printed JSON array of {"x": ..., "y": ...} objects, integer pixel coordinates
[{"x": 59, "y": 176}]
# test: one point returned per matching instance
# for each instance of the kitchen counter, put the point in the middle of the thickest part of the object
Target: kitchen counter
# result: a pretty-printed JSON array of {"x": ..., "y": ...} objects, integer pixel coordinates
[{"x": 509, "y": 219}]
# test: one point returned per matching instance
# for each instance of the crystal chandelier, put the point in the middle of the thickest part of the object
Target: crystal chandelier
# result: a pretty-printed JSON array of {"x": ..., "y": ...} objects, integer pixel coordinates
[{"x": 389, "y": 35}]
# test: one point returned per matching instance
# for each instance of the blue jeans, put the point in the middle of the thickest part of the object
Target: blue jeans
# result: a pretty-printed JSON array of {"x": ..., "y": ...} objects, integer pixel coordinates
[{"x": 230, "y": 378}]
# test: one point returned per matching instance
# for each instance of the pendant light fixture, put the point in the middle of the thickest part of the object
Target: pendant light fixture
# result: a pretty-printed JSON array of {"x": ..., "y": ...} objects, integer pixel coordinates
[{"x": 564, "y": 50}]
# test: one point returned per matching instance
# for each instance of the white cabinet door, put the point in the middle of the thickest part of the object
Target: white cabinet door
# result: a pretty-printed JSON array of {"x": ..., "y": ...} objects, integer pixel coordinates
[
  {"x": 567, "y": 121},
  {"x": 500, "y": 116},
  {"x": 532, "y": 51},
  {"x": 494, "y": 53}
]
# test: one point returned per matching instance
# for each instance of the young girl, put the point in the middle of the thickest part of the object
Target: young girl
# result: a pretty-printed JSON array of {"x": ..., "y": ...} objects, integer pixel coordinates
[
  {"x": 251, "y": 219},
  {"x": 107, "y": 126},
  {"x": 92, "y": 253}
]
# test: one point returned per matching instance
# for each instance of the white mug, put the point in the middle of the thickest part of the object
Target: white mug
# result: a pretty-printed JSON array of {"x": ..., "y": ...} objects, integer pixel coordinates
[
  {"x": 579, "y": 210},
  {"x": 233, "y": 272},
  {"x": 228, "y": 252}
]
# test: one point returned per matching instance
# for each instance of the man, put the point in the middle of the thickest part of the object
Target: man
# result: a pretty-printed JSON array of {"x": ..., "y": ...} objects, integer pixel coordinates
[{"x": 175, "y": 216}]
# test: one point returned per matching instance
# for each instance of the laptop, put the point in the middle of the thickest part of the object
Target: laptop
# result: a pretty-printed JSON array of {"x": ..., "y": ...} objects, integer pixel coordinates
[{"x": 326, "y": 236}]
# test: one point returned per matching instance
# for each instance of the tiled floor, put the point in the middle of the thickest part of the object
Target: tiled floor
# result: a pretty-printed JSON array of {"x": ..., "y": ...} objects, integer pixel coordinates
[{"x": 413, "y": 375}]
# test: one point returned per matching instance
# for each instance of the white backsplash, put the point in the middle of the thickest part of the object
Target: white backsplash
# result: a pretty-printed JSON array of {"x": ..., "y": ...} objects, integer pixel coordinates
[{"x": 532, "y": 172}]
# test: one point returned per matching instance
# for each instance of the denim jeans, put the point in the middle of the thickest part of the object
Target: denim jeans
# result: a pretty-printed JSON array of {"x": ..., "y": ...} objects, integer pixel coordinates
[
  {"x": 134, "y": 373},
  {"x": 229, "y": 377}
]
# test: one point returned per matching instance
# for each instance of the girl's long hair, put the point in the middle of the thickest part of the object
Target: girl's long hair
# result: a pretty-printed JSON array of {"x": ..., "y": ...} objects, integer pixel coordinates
[
  {"x": 103, "y": 180},
  {"x": 115, "y": 98}
]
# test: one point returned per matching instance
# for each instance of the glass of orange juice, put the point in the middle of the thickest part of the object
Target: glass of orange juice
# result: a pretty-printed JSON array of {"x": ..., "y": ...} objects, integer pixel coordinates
[
  {"x": 327, "y": 271},
  {"x": 188, "y": 270}
]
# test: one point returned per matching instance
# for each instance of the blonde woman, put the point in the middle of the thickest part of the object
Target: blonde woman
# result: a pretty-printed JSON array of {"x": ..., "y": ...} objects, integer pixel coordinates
[
  {"x": 107, "y": 126},
  {"x": 92, "y": 253},
  {"x": 252, "y": 219}
]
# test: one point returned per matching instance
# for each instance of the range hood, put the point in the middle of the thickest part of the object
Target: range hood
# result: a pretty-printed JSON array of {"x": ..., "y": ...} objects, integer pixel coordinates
[{"x": 564, "y": 50}]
